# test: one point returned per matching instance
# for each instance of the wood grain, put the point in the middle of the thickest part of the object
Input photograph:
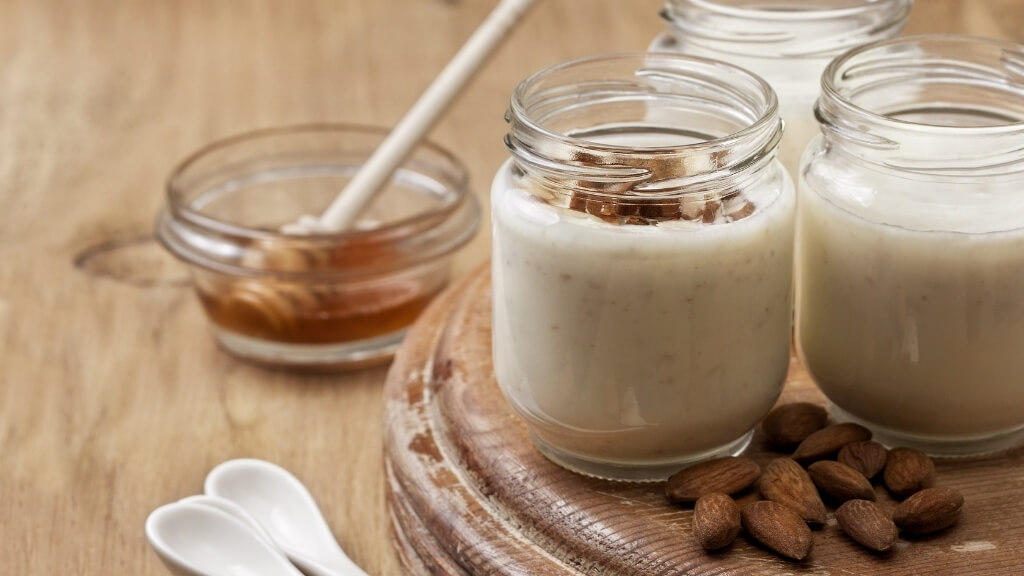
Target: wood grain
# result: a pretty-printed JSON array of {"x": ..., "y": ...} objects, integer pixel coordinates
[
  {"x": 113, "y": 398},
  {"x": 469, "y": 493}
]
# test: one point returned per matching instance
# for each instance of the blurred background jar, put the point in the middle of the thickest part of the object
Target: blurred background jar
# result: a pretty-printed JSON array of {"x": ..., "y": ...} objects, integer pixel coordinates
[
  {"x": 911, "y": 290},
  {"x": 788, "y": 43},
  {"x": 320, "y": 301},
  {"x": 642, "y": 262}
]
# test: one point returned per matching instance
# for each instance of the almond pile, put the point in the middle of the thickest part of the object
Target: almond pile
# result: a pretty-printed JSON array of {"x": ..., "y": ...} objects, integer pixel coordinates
[{"x": 837, "y": 462}]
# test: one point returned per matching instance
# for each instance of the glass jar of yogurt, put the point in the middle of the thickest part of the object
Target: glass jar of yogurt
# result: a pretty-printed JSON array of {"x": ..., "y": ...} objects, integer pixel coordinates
[
  {"x": 787, "y": 43},
  {"x": 911, "y": 254},
  {"x": 642, "y": 269}
]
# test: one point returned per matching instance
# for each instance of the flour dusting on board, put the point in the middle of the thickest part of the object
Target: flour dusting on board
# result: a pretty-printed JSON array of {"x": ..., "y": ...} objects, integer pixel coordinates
[{"x": 978, "y": 546}]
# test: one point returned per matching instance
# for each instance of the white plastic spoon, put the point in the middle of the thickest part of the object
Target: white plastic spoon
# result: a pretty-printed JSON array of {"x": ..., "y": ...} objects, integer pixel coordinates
[
  {"x": 198, "y": 540},
  {"x": 280, "y": 503}
]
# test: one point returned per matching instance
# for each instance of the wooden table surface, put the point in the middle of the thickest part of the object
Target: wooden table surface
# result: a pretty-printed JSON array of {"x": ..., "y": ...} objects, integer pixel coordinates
[{"x": 113, "y": 397}]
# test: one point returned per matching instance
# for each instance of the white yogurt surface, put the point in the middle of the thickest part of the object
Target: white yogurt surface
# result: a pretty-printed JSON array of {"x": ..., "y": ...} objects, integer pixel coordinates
[{"x": 638, "y": 345}]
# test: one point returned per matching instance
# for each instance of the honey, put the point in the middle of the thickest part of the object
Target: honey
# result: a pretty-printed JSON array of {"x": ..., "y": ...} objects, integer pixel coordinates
[
  {"x": 292, "y": 313},
  {"x": 324, "y": 301}
]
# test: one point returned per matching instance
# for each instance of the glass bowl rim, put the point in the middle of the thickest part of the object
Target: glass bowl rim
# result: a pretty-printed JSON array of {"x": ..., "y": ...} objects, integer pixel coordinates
[{"x": 177, "y": 207}]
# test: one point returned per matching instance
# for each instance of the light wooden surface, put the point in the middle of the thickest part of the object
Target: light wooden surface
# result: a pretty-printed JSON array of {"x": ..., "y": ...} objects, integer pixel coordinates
[
  {"x": 472, "y": 496},
  {"x": 113, "y": 398}
]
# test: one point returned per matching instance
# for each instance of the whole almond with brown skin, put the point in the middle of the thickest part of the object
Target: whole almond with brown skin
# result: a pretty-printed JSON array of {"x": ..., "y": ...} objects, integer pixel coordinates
[
  {"x": 778, "y": 528},
  {"x": 866, "y": 457},
  {"x": 840, "y": 481},
  {"x": 716, "y": 520},
  {"x": 866, "y": 523},
  {"x": 787, "y": 483},
  {"x": 728, "y": 475},
  {"x": 929, "y": 510},
  {"x": 826, "y": 442},
  {"x": 907, "y": 471},
  {"x": 788, "y": 425}
]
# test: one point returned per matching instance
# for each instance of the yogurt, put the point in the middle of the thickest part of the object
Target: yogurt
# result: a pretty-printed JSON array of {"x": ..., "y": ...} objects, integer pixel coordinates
[
  {"x": 913, "y": 330},
  {"x": 911, "y": 243},
  {"x": 641, "y": 347},
  {"x": 642, "y": 261}
]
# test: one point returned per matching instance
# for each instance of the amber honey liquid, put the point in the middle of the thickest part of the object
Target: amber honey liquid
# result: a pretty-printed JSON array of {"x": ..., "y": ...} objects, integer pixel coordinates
[{"x": 295, "y": 313}]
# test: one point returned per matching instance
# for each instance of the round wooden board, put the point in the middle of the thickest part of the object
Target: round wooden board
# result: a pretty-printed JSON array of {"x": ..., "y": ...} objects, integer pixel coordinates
[{"x": 469, "y": 494}]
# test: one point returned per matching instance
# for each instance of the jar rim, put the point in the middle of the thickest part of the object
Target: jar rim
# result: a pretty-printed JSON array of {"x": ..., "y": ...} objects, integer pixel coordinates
[
  {"x": 757, "y": 31},
  {"x": 734, "y": 96},
  {"x": 839, "y": 70},
  {"x": 518, "y": 96},
  {"x": 889, "y": 104},
  {"x": 442, "y": 228},
  {"x": 803, "y": 12}
]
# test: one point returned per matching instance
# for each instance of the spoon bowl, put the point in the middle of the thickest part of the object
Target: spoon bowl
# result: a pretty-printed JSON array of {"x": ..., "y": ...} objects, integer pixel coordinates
[
  {"x": 232, "y": 509},
  {"x": 283, "y": 506},
  {"x": 196, "y": 539}
]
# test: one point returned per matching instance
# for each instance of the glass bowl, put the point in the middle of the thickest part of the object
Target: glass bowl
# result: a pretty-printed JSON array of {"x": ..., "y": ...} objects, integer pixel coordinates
[{"x": 322, "y": 301}]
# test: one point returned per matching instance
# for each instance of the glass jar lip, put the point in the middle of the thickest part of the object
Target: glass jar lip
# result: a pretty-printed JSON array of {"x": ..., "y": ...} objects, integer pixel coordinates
[
  {"x": 181, "y": 208},
  {"x": 811, "y": 30},
  {"x": 768, "y": 116},
  {"x": 901, "y": 7},
  {"x": 832, "y": 96},
  {"x": 423, "y": 237}
]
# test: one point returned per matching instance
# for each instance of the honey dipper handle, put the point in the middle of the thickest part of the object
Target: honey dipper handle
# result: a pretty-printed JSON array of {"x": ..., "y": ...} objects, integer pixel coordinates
[{"x": 344, "y": 210}]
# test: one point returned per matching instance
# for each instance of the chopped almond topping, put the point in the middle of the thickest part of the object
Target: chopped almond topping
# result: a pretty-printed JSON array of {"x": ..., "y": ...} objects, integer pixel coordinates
[
  {"x": 746, "y": 209},
  {"x": 711, "y": 209},
  {"x": 640, "y": 210}
]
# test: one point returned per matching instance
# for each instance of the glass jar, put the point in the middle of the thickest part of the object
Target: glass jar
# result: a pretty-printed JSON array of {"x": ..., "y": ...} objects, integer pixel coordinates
[
  {"x": 911, "y": 253},
  {"x": 786, "y": 43},
  {"x": 324, "y": 301},
  {"x": 642, "y": 269}
]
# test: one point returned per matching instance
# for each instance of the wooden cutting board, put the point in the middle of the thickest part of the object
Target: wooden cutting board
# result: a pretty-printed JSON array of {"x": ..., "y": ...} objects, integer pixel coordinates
[{"x": 469, "y": 494}]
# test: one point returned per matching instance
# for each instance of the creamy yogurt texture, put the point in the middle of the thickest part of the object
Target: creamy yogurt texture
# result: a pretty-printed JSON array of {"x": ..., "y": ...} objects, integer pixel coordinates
[
  {"x": 638, "y": 345},
  {"x": 911, "y": 311}
]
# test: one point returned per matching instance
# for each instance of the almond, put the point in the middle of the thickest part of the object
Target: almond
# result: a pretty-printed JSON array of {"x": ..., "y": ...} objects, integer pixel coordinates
[
  {"x": 778, "y": 528},
  {"x": 866, "y": 523},
  {"x": 788, "y": 425},
  {"x": 907, "y": 471},
  {"x": 742, "y": 211},
  {"x": 929, "y": 510},
  {"x": 716, "y": 520},
  {"x": 692, "y": 208},
  {"x": 711, "y": 209},
  {"x": 840, "y": 481},
  {"x": 728, "y": 475},
  {"x": 785, "y": 482},
  {"x": 826, "y": 442},
  {"x": 866, "y": 457}
]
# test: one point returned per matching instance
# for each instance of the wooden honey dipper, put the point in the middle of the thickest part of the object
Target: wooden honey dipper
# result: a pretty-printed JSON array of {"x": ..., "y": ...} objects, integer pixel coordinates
[{"x": 377, "y": 170}]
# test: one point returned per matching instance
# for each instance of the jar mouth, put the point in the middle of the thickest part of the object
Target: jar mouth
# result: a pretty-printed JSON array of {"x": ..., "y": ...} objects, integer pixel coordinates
[
  {"x": 917, "y": 92},
  {"x": 647, "y": 124},
  {"x": 227, "y": 201},
  {"x": 785, "y": 28},
  {"x": 787, "y": 11}
]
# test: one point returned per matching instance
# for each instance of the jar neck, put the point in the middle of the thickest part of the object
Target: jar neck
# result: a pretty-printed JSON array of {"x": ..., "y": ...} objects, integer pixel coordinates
[
  {"x": 642, "y": 128},
  {"x": 810, "y": 29},
  {"x": 939, "y": 106}
]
